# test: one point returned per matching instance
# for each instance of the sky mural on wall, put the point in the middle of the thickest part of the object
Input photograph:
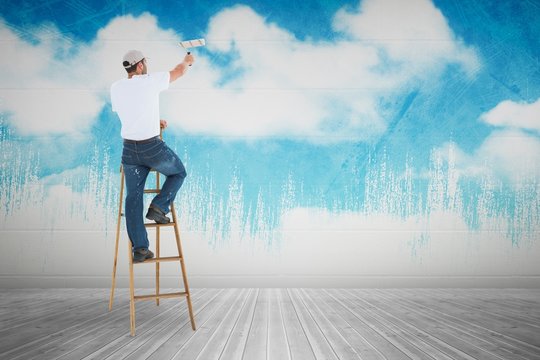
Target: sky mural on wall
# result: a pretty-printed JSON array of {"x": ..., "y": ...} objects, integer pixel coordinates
[{"x": 333, "y": 114}]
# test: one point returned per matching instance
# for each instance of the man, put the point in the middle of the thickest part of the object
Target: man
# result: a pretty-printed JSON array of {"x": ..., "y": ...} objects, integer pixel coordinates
[{"x": 136, "y": 101}]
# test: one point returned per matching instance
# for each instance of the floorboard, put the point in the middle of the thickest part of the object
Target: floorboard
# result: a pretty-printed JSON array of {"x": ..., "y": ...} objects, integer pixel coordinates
[{"x": 281, "y": 324}]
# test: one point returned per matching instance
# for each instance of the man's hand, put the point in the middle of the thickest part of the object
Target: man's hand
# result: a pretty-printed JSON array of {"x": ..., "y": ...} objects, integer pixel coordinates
[
  {"x": 181, "y": 68},
  {"x": 189, "y": 59},
  {"x": 163, "y": 124}
]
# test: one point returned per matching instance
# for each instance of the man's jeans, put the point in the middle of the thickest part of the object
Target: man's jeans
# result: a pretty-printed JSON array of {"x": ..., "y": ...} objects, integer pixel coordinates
[{"x": 137, "y": 160}]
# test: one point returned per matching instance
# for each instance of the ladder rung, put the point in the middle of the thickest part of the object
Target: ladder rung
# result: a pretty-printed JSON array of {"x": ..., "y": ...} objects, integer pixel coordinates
[
  {"x": 158, "y": 225},
  {"x": 159, "y": 259},
  {"x": 158, "y": 296},
  {"x": 151, "y": 191}
]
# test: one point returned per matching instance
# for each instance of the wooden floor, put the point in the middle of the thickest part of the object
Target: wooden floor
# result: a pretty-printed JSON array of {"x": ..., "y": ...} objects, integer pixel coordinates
[{"x": 274, "y": 324}]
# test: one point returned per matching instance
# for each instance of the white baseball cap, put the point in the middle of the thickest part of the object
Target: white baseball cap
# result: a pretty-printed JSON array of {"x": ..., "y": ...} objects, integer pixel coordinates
[{"x": 132, "y": 57}]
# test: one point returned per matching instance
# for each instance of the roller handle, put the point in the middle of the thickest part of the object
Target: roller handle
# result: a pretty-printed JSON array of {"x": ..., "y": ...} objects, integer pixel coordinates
[{"x": 189, "y": 52}]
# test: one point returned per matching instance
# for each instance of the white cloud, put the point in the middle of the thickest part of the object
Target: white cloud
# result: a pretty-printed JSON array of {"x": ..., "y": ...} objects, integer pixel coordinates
[
  {"x": 511, "y": 114},
  {"x": 278, "y": 85},
  {"x": 273, "y": 85},
  {"x": 507, "y": 155},
  {"x": 40, "y": 91},
  {"x": 51, "y": 110},
  {"x": 512, "y": 154},
  {"x": 414, "y": 32}
]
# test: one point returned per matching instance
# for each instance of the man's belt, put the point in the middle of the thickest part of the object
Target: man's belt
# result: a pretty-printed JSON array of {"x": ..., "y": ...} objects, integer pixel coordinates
[{"x": 145, "y": 141}]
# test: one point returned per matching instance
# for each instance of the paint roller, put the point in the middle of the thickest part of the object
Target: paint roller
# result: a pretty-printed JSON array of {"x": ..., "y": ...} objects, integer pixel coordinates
[{"x": 189, "y": 44}]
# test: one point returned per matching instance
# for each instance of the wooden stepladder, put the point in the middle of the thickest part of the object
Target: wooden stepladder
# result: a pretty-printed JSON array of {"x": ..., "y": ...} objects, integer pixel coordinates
[{"x": 157, "y": 260}]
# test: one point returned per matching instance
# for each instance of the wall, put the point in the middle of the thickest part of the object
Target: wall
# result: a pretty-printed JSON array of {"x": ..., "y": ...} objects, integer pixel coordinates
[{"x": 372, "y": 143}]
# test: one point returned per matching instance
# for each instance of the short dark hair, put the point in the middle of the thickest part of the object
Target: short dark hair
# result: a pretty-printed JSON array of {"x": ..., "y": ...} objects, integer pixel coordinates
[{"x": 132, "y": 68}]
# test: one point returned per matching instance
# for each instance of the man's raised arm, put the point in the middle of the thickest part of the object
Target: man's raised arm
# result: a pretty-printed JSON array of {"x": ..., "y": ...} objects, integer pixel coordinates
[{"x": 181, "y": 68}]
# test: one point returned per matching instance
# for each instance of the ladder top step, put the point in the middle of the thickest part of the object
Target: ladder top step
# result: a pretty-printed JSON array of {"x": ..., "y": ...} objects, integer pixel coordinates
[{"x": 151, "y": 170}]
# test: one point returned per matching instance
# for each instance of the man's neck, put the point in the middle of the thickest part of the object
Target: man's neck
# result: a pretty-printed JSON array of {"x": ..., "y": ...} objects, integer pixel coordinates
[{"x": 133, "y": 74}]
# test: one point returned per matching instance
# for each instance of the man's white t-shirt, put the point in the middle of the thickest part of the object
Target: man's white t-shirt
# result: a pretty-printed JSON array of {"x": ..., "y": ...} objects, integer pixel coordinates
[{"x": 136, "y": 101}]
